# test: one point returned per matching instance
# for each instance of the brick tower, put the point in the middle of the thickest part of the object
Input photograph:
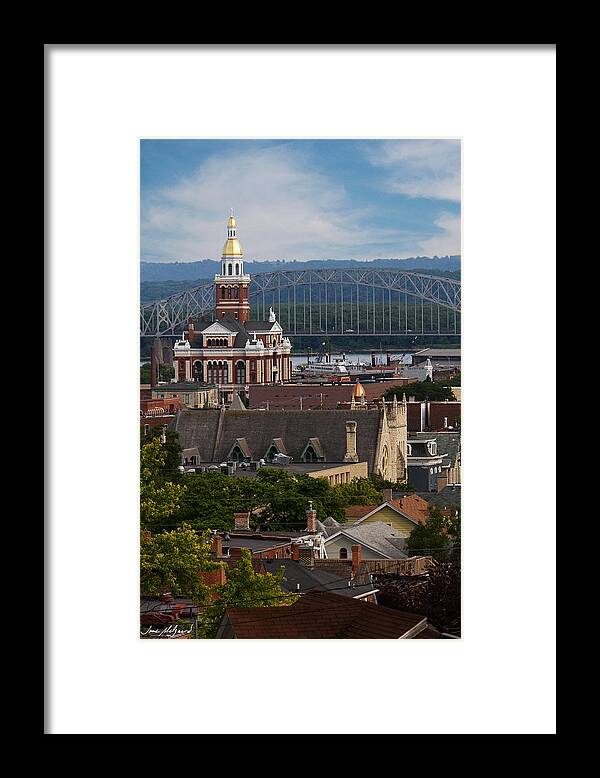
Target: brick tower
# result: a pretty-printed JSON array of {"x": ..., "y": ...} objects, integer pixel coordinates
[{"x": 232, "y": 284}]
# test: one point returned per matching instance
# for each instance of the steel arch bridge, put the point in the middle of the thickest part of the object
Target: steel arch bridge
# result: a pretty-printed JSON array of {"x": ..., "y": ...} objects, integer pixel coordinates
[{"x": 327, "y": 302}]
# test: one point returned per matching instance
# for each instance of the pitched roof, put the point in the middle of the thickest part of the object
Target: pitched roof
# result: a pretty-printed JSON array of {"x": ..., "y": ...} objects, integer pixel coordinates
[
  {"x": 413, "y": 506},
  {"x": 323, "y": 615},
  {"x": 377, "y": 535},
  {"x": 199, "y": 427},
  {"x": 410, "y": 505},
  {"x": 299, "y": 578},
  {"x": 449, "y": 497}
]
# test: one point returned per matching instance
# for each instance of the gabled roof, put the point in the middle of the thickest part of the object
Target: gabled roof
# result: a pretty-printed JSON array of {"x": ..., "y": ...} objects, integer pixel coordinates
[
  {"x": 323, "y": 615},
  {"x": 279, "y": 445},
  {"x": 243, "y": 446},
  {"x": 316, "y": 446},
  {"x": 398, "y": 506},
  {"x": 376, "y": 536}
]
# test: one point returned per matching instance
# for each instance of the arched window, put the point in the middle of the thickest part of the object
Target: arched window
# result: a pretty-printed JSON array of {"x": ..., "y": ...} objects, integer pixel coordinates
[
  {"x": 237, "y": 269},
  {"x": 229, "y": 293},
  {"x": 236, "y": 455},
  {"x": 240, "y": 372},
  {"x": 230, "y": 269},
  {"x": 343, "y": 553},
  {"x": 235, "y": 293},
  {"x": 384, "y": 461},
  {"x": 198, "y": 373},
  {"x": 222, "y": 293},
  {"x": 271, "y": 453}
]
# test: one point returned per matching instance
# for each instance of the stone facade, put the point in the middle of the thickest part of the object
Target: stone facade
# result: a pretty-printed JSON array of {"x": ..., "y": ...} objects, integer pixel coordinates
[{"x": 376, "y": 436}]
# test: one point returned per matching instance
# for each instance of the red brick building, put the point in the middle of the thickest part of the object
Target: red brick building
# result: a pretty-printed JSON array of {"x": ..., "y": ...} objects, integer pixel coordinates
[{"x": 233, "y": 351}]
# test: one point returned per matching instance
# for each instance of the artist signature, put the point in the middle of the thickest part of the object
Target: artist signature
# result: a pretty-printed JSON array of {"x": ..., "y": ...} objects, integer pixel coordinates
[{"x": 171, "y": 631}]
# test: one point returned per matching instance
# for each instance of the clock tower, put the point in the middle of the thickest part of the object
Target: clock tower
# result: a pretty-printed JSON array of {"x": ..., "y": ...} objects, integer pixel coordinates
[{"x": 231, "y": 283}]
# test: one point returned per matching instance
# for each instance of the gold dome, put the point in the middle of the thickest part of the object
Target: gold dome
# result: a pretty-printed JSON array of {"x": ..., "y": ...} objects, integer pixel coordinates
[
  {"x": 359, "y": 390},
  {"x": 232, "y": 248}
]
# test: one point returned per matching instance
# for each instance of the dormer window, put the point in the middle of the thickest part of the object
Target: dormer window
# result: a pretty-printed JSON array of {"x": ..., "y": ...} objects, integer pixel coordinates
[{"x": 313, "y": 451}]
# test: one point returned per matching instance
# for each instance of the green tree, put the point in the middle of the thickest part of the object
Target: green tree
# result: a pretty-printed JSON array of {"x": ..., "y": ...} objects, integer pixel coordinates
[
  {"x": 159, "y": 498},
  {"x": 439, "y": 536},
  {"x": 211, "y": 499},
  {"x": 171, "y": 446},
  {"x": 245, "y": 588},
  {"x": 360, "y": 491},
  {"x": 165, "y": 373},
  {"x": 422, "y": 390},
  {"x": 172, "y": 561}
]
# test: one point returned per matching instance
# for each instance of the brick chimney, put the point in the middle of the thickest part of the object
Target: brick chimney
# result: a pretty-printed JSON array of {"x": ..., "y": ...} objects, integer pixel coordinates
[
  {"x": 217, "y": 546},
  {"x": 190, "y": 324},
  {"x": 387, "y": 495},
  {"x": 355, "y": 559},
  {"x": 350, "y": 455},
  {"x": 296, "y": 552},
  {"x": 241, "y": 520},
  {"x": 306, "y": 556},
  {"x": 311, "y": 518}
]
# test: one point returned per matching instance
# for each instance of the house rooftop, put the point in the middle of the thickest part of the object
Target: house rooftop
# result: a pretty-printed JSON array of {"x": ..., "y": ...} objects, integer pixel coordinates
[
  {"x": 322, "y": 615},
  {"x": 301, "y": 579},
  {"x": 378, "y": 536}
]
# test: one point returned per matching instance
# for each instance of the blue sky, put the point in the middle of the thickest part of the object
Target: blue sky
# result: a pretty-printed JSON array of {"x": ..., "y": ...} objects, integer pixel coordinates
[{"x": 300, "y": 199}]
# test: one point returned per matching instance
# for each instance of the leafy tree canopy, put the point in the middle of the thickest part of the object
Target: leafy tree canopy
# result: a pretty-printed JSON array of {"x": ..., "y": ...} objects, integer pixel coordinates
[
  {"x": 245, "y": 588},
  {"x": 165, "y": 373},
  {"x": 159, "y": 498},
  {"x": 172, "y": 561},
  {"x": 439, "y": 536}
]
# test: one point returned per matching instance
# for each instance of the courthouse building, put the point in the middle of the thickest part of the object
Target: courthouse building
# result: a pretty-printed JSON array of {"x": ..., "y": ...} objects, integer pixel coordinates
[{"x": 233, "y": 351}]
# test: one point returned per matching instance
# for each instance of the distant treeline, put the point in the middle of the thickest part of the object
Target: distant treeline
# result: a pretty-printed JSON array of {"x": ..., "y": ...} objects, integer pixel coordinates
[{"x": 206, "y": 268}]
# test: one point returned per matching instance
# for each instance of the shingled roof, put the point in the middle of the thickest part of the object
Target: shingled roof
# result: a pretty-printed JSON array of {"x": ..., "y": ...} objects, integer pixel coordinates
[
  {"x": 215, "y": 431},
  {"x": 322, "y": 615}
]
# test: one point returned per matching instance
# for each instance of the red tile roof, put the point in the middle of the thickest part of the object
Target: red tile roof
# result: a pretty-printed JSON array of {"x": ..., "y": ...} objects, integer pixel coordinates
[
  {"x": 325, "y": 615},
  {"x": 413, "y": 506}
]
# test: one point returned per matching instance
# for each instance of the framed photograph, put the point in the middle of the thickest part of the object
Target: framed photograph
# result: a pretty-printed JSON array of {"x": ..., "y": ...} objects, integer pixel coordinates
[{"x": 276, "y": 274}]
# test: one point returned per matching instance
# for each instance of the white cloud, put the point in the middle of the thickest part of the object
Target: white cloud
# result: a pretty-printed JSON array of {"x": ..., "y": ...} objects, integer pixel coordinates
[
  {"x": 447, "y": 242},
  {"x": 420, "y": 168},
  {"x": 285, "y": 210}
]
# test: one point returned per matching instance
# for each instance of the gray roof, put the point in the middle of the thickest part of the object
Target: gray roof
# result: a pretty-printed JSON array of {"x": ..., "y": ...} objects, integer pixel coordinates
[
  {"x": 313, "y": 579},
  {"x": 378, "y": 535},
  {"x": 259, "y": 326},
  {"x": 449, "y": 497},
  {"x": 330, "y": 526},
  {"x": 448, "y": 443},
  {"x": 214, "y": 432}
]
